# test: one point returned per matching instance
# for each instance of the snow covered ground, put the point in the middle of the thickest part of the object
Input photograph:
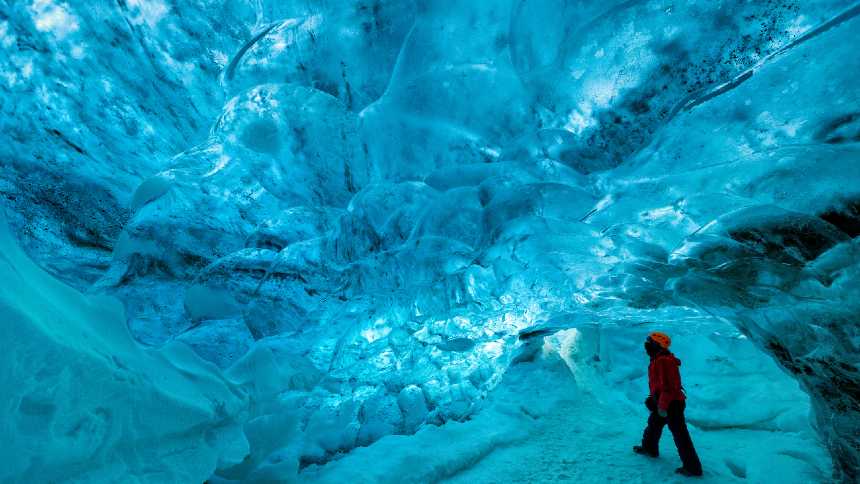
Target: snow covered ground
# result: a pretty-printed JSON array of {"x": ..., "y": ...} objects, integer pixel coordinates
[{"x": 587, "y": 440}]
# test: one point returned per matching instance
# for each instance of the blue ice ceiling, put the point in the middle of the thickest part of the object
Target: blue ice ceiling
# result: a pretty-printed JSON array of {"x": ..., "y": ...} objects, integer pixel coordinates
[{"x": 345, "y": 230}]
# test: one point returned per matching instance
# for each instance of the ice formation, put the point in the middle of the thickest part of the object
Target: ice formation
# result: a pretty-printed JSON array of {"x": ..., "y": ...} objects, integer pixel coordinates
[{"x": 421, "y": 240}]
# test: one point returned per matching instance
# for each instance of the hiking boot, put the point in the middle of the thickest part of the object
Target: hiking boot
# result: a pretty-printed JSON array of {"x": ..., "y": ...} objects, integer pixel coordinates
[
  {"x": 687, "y": 473},
  {"x": 642, "y": 450}
]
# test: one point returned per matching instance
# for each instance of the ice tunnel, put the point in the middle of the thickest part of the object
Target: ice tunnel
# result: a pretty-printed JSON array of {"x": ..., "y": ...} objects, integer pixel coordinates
[{"x": 387, "y": 241}]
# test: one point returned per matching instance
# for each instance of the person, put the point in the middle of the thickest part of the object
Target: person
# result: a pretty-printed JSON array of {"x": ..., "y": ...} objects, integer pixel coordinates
[{"x": 667, "y": 402}]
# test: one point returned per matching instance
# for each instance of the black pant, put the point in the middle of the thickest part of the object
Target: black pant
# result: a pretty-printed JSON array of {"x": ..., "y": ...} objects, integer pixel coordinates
[{"x": 678, "y": 427}]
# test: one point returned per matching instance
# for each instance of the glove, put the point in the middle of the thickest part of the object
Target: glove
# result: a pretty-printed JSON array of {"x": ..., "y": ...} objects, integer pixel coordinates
[
  {"x": 662, "y": 413},
  {"x": 650, "y": 404}
]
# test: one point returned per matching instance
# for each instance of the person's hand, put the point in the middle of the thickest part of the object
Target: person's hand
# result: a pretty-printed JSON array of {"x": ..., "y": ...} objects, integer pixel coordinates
[
  {"x": 662, "y": 413},
  {"x": 650, "y": 404}
]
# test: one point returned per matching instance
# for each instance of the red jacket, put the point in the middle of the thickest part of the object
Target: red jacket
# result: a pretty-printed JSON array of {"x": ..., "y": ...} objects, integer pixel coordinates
[{"x": 664, "y": 380}]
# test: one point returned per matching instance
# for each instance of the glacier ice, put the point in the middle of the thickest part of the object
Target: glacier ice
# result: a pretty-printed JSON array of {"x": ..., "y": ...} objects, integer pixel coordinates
[
  {"x": 80, "y": 396},
  {"x": 416, "y": 240}
]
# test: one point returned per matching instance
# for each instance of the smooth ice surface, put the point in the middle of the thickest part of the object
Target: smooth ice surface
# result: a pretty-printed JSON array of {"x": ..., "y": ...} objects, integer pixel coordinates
[
  {"x": 83, "y": 402},
  {"x": 416, "y": 240}
]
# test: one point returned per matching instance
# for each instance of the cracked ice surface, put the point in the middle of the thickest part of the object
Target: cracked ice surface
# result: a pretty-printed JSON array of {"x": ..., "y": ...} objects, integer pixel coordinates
[{"x": 363, "y": 213}]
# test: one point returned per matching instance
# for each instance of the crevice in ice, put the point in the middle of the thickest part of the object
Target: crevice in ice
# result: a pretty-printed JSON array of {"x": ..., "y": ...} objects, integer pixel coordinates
[
  {"x": 845, "y": 216},
  {"x": 231, "y": 68}
]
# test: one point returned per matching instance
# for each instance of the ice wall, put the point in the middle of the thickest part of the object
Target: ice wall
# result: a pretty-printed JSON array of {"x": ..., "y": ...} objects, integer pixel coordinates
[
  {"x": 82, "y": 402},
  {"x": 376, "y": 205}
]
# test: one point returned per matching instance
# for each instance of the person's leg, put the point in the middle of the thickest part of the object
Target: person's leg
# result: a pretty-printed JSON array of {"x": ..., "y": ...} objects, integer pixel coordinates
[
  {"x": 651, "y": 436},
  {"x": 678, "y": 427}
]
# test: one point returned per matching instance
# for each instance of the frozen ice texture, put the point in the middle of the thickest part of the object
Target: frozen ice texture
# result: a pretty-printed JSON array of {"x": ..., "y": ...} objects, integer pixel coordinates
[
  {"x": 83, "y": 402},
  {"x": 372, "y": 220}
]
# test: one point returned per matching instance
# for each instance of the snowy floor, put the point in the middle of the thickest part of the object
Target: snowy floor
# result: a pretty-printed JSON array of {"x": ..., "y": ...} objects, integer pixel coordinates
[
  {"x": 585, "y": 441},
  {"x": 541, "y": 426}
]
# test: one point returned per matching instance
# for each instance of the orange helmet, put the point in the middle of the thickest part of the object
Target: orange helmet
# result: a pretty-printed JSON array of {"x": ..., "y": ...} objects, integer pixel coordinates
[{"x": 661, "y": 339}]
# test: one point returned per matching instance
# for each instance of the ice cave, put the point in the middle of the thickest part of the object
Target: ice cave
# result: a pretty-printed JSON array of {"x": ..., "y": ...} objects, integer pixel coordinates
[{"x": 414, "y": 241}]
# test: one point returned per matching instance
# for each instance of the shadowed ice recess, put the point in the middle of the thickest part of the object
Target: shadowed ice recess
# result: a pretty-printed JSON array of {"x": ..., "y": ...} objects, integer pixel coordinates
[{"x": 252, "y": 241}]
